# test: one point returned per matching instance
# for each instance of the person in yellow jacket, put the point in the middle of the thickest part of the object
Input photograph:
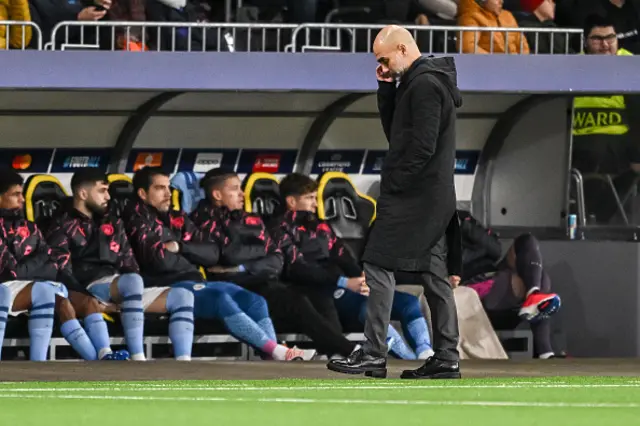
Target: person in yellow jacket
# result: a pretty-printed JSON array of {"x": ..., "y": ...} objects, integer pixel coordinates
[
  {"x": 606, "y": 128},
  {"x": 489, "y": 13},
  {"x": 19, "y": 36}
]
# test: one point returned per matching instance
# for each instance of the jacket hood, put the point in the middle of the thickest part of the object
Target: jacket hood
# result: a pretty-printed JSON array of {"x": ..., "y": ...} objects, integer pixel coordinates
[{"x": 444, "y": 68}]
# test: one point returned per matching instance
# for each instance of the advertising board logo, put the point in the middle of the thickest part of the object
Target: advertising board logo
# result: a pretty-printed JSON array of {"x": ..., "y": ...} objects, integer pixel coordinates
[
  {"x": 22, "y": 162},
  {"x": 147, "y": 159},
  {"x": 335, "y": 164},
  {"x": 267, "y": 163},
  {"x": 461, "y": 164},
  {"x": 206, "y": 161},
  {"x": 82, "y": 161}
]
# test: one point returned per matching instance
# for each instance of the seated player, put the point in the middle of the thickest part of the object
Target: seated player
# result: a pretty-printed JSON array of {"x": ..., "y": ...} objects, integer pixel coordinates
[
  {"x": 28, "y": 278},
  {"x": 250, "y": 258},
  {"x": 510, "y": 288},
  {"x": 169, "y": 250},
  {"x": 314, "y": 256},
  {"x": 92, "y": 249}
]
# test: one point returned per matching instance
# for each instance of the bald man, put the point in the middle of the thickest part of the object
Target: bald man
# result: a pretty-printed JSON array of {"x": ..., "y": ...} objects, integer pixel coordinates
[{"x": 416, "y": 234}]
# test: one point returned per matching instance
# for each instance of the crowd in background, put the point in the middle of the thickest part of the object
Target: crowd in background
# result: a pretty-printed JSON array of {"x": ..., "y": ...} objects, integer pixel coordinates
[{"x": 625, "y": 14}]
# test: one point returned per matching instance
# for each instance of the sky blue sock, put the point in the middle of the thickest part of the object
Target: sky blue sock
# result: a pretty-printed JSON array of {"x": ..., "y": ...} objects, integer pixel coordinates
[
  {"x": 180, "y": 307},
  {"x": 256, "y": 308},
  {"x": 267, "y": 326},
  {"x": 5, "y": 299},
  {"x": 130, "y": 288},
  {"x": 398, "y": 347},
  {"x": 245, "y": 329},
  {"x": 419, "y": 332},
  {"x": 211, "y": 303},
  {"x": 78, "y": 339},
  {"x": 98, "y": 333},
  {"x": 43, "y": 302}
]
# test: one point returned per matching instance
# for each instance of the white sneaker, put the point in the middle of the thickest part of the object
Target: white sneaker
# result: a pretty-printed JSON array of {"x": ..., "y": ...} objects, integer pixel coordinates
[{"x": 295, "y": 354}]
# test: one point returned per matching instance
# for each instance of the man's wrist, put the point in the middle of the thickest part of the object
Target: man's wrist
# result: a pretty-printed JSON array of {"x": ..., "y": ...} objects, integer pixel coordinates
[{"x": 342, "y": 282}]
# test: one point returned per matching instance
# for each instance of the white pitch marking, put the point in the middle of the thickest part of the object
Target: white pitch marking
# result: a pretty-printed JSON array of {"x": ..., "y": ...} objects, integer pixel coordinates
[
  {"x": 334, "y": 401},
  {"x": 126, "y": 388}
]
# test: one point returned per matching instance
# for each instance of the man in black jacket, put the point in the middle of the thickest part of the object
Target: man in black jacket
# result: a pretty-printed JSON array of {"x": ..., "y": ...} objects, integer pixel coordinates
[
  {"x": 29, "y": 278},
  {"x": 92, "y": 250},
  {"x": 250, "y": 258},
  {"x": 416, "y": 222}
]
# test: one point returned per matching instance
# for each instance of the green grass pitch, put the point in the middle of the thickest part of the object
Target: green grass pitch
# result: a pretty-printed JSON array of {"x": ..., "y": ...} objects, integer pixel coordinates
[{"x": 515, "y": 402}]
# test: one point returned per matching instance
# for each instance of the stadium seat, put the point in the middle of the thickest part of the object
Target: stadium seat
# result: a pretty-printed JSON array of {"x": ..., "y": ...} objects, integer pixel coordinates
[
  {"x": 121, "y": 192},
  {"x": 261, "y": 194},
  {"x": 186, "y": 192},
  {"x": 44, "y": 196},
  {"x": 348, "y": 211}
]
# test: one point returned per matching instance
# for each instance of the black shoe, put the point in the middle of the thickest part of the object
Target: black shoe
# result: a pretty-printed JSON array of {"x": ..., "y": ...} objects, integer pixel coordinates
[
  {"x": 434, "y": 368},
  {"x": 360, "y": 362}
]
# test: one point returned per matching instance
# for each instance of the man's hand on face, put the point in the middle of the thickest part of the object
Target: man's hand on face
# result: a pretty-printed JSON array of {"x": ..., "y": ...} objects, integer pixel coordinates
[{"x": 383, "y": 76}]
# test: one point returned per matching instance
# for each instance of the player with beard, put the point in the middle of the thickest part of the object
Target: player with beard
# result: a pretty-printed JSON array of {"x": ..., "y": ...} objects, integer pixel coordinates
[
  {"x": 92, "y": 250},
  {"x": 29, "y": 277}
]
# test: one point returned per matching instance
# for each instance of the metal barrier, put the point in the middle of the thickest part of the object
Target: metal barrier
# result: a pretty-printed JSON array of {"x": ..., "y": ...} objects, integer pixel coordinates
[
  {"x": 170, "y": 36},
  {"x": 361, "y": 37},
  {"x": 10, "y": 28},
  {"x": 578, "y": 181},
  {"x": 230, "y": 37}
]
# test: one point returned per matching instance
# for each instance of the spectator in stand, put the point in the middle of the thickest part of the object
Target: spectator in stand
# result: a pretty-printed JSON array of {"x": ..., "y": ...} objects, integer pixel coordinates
[
  {"x": 489, "y": 13},
  {"x": 180, "y": 38},
  {"x": 443, "y": 9},
  {"x": 606, "y": 130},
  {"x": 48, "y": 13},
  {"x": 542, "y": 14},
  {"x": 624, "y": 15},
  {"x": 128, "y": 10},
  {"x": 298, "y": 11},
  {"x": 16, "y": 37},
  {"x": 301, "y": 11}
]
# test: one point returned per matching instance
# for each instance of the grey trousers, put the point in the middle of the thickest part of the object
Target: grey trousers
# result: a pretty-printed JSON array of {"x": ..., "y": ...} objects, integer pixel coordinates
[{"x": 439, "y": 295}]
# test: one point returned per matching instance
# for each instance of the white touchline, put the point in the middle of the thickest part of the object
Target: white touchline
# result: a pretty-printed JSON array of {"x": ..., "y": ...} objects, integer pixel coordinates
[
  {"x": 331, "y": 401},
  {"x": 126, "y": 388}
]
